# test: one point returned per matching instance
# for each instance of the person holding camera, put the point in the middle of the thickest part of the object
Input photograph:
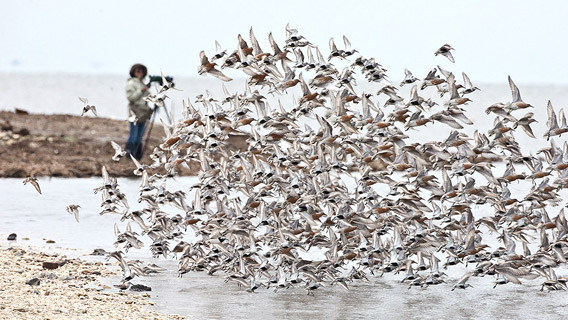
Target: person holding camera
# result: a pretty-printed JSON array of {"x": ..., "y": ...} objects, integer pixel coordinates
[{"x": 136, "y": 90}]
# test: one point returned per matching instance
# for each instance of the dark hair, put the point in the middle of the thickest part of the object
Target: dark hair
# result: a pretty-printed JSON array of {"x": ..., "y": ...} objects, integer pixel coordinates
[{"x": 138, "y": 66}]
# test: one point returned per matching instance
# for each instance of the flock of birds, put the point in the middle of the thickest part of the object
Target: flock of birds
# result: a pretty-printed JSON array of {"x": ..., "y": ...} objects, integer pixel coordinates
[{"x": 303, "y": 206}]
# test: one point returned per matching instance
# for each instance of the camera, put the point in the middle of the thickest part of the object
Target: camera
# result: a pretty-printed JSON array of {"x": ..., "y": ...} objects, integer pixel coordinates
[{"x": 159, "y": 80}]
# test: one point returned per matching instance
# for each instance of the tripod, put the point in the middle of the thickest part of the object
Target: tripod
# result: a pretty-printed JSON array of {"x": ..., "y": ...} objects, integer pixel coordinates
[{"x": 152, "y": 118}]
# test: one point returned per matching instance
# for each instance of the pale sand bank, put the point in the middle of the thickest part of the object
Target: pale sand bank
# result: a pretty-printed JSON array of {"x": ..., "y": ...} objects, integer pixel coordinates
[{"x": 75, "y": 290}]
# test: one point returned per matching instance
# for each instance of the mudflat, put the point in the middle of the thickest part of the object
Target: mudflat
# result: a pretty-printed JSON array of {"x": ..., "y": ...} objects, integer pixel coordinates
[{"x": 62, "y": 145}]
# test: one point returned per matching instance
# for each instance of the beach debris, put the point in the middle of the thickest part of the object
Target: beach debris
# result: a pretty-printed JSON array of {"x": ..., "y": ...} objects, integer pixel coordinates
[
  {"x": 139, "y": 288},
  {"x": 99, "y": 252},
  {"x": 50, "y": 265},
  {"x": 48, "y": 275}
]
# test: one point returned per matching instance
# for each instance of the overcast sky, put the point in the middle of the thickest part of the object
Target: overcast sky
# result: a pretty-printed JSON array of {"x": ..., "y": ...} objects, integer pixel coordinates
[{"x": 493, "y": 39}]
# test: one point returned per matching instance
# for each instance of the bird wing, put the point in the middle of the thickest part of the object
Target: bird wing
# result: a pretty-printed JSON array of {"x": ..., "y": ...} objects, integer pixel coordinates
[
  {"x": 528, "y": 130},
  {"x": 36, "y": 185},
  {"x": 445, "y": 73},
  {"x": 466, "y": 81},
  {"x": 305, "y": 89},
  {"x": 219, "y": 75},
  {"x": 242, "y": 43},
  {"x": 203, "y": 57},
  {"x": 452, "y": 87},
  {"x": 332, "y": 46},
  {"x": 255, "y": 45},
  {"x": 218, "y": 46},
  {"x": 552, "y": 123},
  {"x": 514, "y": 91},
  {"x": 449, "y": 56},
  {"x": 431, "y": 75},
  {"x": 321, "y": 60},
  {"x": 347, "y": 43},
  {"x": 273, "y": 44},
  {"x": 117, "y": 148}
]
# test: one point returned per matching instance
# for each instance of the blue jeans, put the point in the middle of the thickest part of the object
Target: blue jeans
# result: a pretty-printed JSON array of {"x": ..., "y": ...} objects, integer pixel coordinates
[{"x": 134, "y": 143}]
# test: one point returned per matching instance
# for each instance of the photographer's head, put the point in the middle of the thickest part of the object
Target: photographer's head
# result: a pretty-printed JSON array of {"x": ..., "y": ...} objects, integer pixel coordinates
[{"x": 138, "y": 71}]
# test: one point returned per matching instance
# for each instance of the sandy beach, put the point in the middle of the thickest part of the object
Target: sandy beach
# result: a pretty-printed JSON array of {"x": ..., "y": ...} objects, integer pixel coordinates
[{"x": 73, "y": 290}]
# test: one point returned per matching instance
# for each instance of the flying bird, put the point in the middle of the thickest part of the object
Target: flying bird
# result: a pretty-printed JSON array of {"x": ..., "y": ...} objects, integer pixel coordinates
[
  {"x": 74, "y": 210},
  {"x": 445, "y": 51},
  {"x": 34, "y": 182},
  {"x": 118, "y": 152},
  {"x": 209, "y": 67},
  {"x": 87, "y": 107}
]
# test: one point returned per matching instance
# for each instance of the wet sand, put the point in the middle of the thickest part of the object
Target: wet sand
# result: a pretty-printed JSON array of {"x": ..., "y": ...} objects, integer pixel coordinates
[{"x": 74, "y": 290}]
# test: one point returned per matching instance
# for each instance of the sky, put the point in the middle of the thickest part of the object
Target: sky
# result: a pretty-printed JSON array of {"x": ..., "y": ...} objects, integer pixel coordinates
[{"x": 492, "y": 39}]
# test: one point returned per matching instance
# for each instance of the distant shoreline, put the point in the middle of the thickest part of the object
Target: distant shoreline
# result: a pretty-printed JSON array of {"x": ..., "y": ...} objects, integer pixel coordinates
[{"x": 61, "y": 145}]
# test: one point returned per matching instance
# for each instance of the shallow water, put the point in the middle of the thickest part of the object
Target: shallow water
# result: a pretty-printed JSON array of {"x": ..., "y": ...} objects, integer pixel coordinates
[{"x": 207, "y": 297}]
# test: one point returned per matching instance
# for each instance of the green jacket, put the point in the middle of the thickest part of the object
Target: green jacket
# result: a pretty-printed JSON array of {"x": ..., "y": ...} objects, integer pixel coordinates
[{"x": 136, "y": 102}]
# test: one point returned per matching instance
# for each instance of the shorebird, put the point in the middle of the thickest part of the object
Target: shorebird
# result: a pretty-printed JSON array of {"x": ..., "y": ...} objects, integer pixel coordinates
[
  {"x": 408, "y": 78},
  {"x": 74, "y": 210},
  {"x": 166, "y": 85},
  {"x": 431, "y": 80},
  {"x": 207, "y": 67},
  {"x": 462, "y": 283},
  {"x": 455, "y": 98},
  {"x": 445, "y": 51},
  {"x": 553, "y": 128},
  {"x": 118, "y": 152},
  {"x": 525, "y": 122},
  {"x": 34, "y": 183},
  {"x": 335, "y": 53},
  {"x": 518, "y": 102},
  {"x": 219, "y": 52},
  {"x": 468, "y": 87},
  {"x": 87, "y": 107}
]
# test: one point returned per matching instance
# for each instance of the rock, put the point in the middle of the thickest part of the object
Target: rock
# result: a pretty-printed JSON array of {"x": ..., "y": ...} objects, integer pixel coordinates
[
  {"x": 50, "y": 241},
  {"x": 99, "y": 252},
  {"x": 48, "y": 275},
  {"x": 25, "y": 238},
  {"x": 33, "y": 282},
  {"x": 6, "y": 126},
  {"x": 50, "y": 265},
  {"x": 23, "y": 132},
  {"x": 139, "y": 288},
  {"x": 12, "y": 236},
  {"x": 21, "y": 111}
]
